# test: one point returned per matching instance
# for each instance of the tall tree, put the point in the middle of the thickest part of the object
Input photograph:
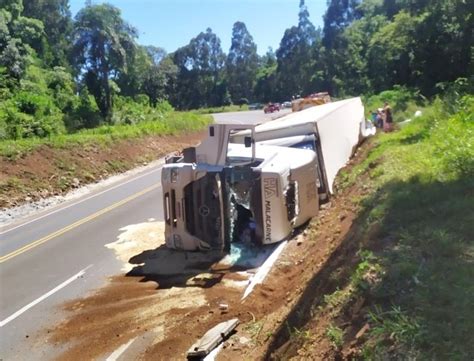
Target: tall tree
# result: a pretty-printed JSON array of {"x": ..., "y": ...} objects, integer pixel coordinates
[
  {"x": 160, "y": 77},
  {"x": 200, "y": 65},
  {"x": 17, "y": 35},
  {"x": 242, "y": 63},
  {"x": 131, "y": 81},
  {"x": 102, "y": 47},
  {"x": 264, "y": 90},
  {"x": 339, "y": 14},
  {"x": 294, "y": 56},
  {"x": 56, "y": 17},
  {"x": 444, "y": 42}
]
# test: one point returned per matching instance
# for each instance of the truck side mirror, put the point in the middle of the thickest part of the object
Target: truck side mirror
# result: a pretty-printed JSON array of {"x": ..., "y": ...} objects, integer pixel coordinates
[{"x": 248, "y": 142}]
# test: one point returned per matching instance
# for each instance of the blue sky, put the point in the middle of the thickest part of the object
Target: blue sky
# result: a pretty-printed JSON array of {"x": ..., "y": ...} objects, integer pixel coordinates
[{"x": 171, "y": 24}]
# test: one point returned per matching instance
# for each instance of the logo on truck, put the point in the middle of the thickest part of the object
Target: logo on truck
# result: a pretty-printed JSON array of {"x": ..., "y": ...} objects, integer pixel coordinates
[
  {"x": 269, "y": 190},
  {"x": 270, "y": 187}
]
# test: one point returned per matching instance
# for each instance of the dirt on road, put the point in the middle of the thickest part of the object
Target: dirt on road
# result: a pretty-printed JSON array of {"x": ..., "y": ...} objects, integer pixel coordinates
[{"x": 166, "y": 300}]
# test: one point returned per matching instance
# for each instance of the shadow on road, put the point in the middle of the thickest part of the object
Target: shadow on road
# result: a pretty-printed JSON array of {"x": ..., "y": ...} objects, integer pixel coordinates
[{"x": 171, "y": 268}]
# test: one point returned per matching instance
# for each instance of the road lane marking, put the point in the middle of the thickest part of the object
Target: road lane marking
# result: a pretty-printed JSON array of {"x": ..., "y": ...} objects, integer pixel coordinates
[
  {"x": 75, "y": 225},
  {"x": 264, "y": 269},
  {"x": 46, "y": 295},
  {"x": 118, "y": 352},
  {"x": 82, "y": 200}
]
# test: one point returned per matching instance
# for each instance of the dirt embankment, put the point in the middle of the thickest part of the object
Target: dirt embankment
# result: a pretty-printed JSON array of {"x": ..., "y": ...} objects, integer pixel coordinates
[
  {"x": 167, "y": 300},
  {"x": 48, "y": 171}
]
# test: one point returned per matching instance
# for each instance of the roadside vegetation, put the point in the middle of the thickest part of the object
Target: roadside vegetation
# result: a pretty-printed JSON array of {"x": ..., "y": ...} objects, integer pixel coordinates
[
  {"x": 222, "y": 109},
  {"x": 154, "y": 123},
  {"x": 60, "y": 74},
  {"x": 408, "y": 293}
]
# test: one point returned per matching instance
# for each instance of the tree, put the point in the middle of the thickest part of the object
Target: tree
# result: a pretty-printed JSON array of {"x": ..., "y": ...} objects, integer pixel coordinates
[
  {"x": 130, "y": 82},
  {"x": 294, "y": 56},
  {"x": 242, "y": 63},
  {"x": 339, "y": 14},
  {"x": 56, "y": 17},
  {"x": 353, "y": 70},
  {"x": 103, "y": 45},
  {"x": 199, "y": 80},
  {"x": 444, "y": 42},
  {"x": 160, "y": 79},
  {"x": 391, "y": 49},
  {"x": 265, "y": 83},
  {"x": 17, "y": 34}
]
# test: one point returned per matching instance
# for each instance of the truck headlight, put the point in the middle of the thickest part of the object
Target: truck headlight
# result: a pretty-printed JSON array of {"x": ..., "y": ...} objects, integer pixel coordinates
[{"x": 174, "y": 175}]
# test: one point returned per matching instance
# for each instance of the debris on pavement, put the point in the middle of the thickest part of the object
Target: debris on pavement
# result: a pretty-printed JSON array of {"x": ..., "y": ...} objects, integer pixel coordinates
[{"x": 212, "y": 338}]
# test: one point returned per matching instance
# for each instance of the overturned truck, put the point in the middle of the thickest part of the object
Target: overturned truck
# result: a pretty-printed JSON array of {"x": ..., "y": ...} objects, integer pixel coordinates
[{"x": 257, "y": 183}]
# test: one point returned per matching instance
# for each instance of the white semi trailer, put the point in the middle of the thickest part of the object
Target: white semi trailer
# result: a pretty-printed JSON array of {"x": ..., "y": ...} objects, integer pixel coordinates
[{"x": 257, "y": 183}]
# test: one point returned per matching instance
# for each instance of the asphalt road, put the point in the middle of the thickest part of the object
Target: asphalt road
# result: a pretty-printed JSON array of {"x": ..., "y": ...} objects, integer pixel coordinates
[{"x": 58, "y": 254}]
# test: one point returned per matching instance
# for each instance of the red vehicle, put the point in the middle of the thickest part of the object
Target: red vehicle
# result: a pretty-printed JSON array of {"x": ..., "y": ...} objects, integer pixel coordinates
[{"x": 271, "y": 107}]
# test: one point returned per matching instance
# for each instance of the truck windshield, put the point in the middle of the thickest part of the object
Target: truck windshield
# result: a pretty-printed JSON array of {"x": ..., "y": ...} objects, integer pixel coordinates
[
  {"x": 242, "y": 194},
  {"x": 224, "y": 207}
]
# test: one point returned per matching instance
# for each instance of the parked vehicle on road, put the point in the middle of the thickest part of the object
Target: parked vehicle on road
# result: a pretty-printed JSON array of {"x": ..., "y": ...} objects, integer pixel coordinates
[
  {"x": 255, "y": 106},
  {"x": 271, "y": 107},
  {"x": 310, "y": 101}
]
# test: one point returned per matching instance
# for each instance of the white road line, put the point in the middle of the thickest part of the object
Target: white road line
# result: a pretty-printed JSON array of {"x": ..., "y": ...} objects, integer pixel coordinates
[
  {"x": 264, "y": 269},
  {"x": 82, "y": 200},
  {"x": 118, "y": 352},
  {"x": 46, "y": 295}
]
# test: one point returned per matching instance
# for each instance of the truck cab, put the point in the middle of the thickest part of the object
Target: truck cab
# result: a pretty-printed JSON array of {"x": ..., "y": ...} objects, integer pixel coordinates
[{"x": 221, "y": 191}]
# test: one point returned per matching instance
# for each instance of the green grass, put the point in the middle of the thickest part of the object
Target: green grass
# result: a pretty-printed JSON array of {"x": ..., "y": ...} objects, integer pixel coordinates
[
  {"x": 171, "y": 124},
  {"x": 423, "y": 252},
  {"x": 254, "y": 328},
  {"x": 223, "y": 109},
  {"x": 335, "y": 335}
]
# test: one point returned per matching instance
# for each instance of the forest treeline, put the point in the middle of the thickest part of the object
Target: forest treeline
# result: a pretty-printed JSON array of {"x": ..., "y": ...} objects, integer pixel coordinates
[{"x": 60, "y": 74}]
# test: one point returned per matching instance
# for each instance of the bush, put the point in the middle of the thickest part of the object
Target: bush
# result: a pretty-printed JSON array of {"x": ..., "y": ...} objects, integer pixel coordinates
[
  {"x": 452, "y": 92},
  {"x": 85, "y": 115},
  {"x": 164, "y": 106},
  {"x": 128, "y": 111},
  {"x": 243, "y": 101},
  {"x": 452, "y": 139},
  {"x": 399, "y": 99},
  {"x": 30, "y": 115}
]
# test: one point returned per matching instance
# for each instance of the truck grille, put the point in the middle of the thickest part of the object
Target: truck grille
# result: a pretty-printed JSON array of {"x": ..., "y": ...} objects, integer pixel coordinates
[{"x": 202, "y": 210}]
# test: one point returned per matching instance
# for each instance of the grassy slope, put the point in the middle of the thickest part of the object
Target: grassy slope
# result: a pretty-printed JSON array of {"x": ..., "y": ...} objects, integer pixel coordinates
[
  {"x": 40, "y": 167},
  {"x": 423, "y": 253},
  {"x": 172, "y": 123},
  {"x": 223, "y": 109},
  {"x": 411, "y": 284}
]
